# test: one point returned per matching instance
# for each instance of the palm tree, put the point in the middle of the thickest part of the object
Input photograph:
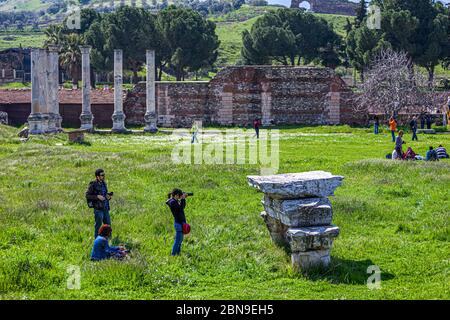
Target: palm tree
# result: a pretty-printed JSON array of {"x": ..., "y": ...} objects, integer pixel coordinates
[
  {"x": 70, "y": 58},
  {"x": 54, "y": 34}
]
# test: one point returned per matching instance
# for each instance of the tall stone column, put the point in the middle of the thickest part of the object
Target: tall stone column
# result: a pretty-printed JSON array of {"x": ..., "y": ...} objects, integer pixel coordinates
[
  {"x": 118, "y": 116},
  {"x": 35, "y": 117},
  {"x": 150, "y": 114},
  {"x": 53, "y": 84},
  {"x": 86, "y": 116},
  {"x": 44, "y": 99}
]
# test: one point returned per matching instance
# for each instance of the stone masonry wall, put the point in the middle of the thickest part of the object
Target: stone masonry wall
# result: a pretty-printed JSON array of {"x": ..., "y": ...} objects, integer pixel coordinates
[{"x": 237, "y": 95}]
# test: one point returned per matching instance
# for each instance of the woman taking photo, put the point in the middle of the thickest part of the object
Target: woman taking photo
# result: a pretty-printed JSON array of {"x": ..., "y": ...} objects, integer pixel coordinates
[{"x": 177, "y": 203}]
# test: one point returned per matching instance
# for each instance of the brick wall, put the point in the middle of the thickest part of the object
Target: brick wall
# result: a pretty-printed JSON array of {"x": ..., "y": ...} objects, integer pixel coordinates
[{"x": 237, "y": 95}]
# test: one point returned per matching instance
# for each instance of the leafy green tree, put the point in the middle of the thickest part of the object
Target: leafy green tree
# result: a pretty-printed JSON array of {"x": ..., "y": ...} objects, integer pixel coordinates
[
  {"x": 418, "y": 27},
  {"x": 291, "y": 37},
  {"x": 191, "y": 39},
  {"x": 363, "y": 44},
  {"x": 128, "y": 28},
  {"x": 361, "y": 13}
]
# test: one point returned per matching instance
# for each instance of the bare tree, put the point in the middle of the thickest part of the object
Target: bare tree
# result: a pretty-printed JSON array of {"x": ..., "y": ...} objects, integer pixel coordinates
[{"x": 392, "y": 85}]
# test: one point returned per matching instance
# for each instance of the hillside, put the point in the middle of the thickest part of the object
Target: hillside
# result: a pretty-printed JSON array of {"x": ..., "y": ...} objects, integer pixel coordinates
[
  {"x": 229, "y": 30},
  {"x": 230, "y": 27}
]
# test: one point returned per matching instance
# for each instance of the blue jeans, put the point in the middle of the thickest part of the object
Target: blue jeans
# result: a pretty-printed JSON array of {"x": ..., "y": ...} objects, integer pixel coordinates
[
  {"x": 176, "y": 249},
  {"x": 414, "y": 137},
  {"x": 393, "y": 135},
  {"x": 101, "y": 217},
  {"x": 375, "y": 129}
]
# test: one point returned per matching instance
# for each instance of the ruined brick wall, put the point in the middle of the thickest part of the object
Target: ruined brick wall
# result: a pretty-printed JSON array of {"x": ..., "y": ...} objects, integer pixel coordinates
[
  {"x": 238, "y": 95},
  {"x": 177, "y": 103}
]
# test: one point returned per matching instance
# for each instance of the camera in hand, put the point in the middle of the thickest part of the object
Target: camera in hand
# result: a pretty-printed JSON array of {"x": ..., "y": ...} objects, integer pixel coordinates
[
  {"x": 110, "y": 194},
  {"x": 190, "y": 194}
]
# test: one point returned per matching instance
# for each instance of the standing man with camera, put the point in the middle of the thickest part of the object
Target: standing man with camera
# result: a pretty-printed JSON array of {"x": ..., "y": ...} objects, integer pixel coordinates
[{"x": 98, "y": 197}]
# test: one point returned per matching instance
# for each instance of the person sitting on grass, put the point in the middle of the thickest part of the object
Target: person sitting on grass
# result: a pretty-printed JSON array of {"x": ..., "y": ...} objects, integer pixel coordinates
[
  {"x": 441, "y": 152},
  {"x": 102, "y": 250},
  {"x": 410, "y": 154},
  {"x": 398, "y": 145},
  {"x": 431, "y": 155}
]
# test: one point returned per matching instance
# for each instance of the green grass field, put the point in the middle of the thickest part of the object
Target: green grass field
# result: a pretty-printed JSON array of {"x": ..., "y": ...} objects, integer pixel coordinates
[{"x": 392, "y": 214}]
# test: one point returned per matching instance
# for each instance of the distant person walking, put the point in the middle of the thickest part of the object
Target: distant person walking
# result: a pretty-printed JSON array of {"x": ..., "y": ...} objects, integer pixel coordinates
[
  {"x": 422, "y": 120},
  {"x": 428, "y": 121},
  {"x": 393, "y": 127},
  {"x": 194, "y": 131},
  {"x": 256, "y": 125},
  {"x": 376, "y": 124},
  {"x": 398, "y": 144},
  {"x": 177, "y": 202},
  {"x": 98, "y": 197},
  {"x": 413, "y": 125}
]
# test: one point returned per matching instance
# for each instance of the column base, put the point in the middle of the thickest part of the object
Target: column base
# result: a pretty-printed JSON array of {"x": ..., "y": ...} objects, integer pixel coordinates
[
  {"x": 87, "y": 120},
  {"x": 45, "y": 122},
  {"x": 151, "y": 129},
  {"x": 150, "y": 122},
  {"x": 53, "y": 123},
  {"x": 35, "y": 124},
  {"x": 118, "y": 119}
]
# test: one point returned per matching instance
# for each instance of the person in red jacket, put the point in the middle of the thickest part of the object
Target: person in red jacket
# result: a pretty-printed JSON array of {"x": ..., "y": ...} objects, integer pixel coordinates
[{"x": 256, "y": 125}]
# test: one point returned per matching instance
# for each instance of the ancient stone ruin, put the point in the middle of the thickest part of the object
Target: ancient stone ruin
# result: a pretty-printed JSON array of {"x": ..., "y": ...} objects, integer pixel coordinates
[
  {"x": 298, "y": 214},
  {"x": 343, "y": 7},
  {"x": 45, "y": 117}
]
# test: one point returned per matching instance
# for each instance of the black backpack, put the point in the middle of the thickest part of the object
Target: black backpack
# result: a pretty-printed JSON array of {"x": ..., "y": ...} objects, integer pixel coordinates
[{"x": 90, "y": 202}]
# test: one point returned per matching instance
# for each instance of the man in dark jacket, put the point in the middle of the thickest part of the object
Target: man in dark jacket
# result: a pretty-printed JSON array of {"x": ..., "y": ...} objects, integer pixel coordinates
[
  {"x": 413, "y": 125},
  {"x": 98, "y": 198}
]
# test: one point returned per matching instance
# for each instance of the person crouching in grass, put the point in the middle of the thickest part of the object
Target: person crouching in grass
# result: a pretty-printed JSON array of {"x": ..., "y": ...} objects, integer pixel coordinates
[
  {"x": 102, "y": 250},
  {"x": 177, "y": 203}
]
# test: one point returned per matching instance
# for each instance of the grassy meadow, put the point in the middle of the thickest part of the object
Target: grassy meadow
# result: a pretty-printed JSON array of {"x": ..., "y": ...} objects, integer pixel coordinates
[{"x": 392, "y": 214}]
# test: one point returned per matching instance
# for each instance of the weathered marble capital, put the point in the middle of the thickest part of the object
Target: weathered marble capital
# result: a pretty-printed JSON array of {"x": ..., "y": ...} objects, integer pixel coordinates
[{"x": 297, "y": 185}]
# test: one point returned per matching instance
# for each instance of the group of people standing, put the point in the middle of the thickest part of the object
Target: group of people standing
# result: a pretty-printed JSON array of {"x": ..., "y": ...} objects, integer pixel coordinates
[{"x": 98, "y": 198}]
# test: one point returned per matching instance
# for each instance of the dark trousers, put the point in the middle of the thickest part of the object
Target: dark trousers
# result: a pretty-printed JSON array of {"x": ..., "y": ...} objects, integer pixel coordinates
[
  {"x": 257, "y": 132},
  {"x": 393, "y": 135},
  {"x": 176, "y": 249},
  {"x": 414, "y": 137},
  {"x": 101, "y": 217},
  {"x": 399, "y": 153},
  {"x": 375, "y": 129}
]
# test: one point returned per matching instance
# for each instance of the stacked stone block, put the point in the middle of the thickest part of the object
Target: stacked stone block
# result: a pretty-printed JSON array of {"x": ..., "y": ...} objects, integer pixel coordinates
[{"x": 299, "y": 215}]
